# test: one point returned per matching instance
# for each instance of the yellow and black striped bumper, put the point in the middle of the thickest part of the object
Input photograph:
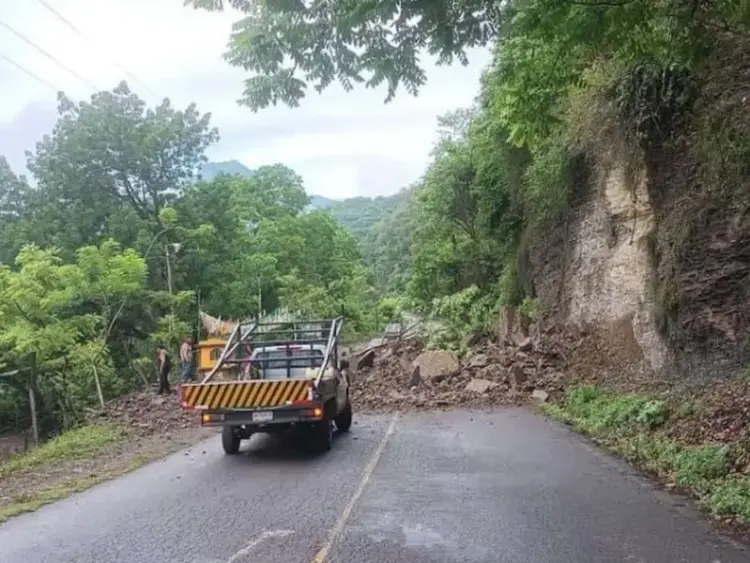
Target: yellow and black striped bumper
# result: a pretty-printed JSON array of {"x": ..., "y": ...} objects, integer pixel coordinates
[{"x": 243, "y": 394}]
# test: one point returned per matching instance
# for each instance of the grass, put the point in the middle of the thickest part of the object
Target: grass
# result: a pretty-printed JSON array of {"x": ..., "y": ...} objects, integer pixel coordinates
[
  {"x": 33, "y": 501},
  {"x": 634, "y": 426},
  {"x": 80, "y": 443}
]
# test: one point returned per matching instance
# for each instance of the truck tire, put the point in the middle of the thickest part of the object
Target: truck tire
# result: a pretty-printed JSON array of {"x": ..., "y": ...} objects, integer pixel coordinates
[
  {"x": 344, "y": 418},
  {"x": 230, "y": 441},
  {"x": 321, "y": 436}
]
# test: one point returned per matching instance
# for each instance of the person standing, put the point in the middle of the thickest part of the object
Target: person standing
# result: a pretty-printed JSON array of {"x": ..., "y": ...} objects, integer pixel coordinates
[
  {"x": 165, "y": 366},
  {"x": 187, "y": 372}
]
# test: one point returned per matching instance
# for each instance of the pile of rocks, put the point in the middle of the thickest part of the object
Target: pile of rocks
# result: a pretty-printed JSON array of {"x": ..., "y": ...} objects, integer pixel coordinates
[
  {"x": 147, "y": 413},
  {"x": 507, "y": 371}
]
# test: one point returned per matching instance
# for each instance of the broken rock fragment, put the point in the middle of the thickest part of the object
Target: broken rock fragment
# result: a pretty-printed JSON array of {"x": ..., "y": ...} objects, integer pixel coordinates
[
  {"x": 517, "y": 377},
  {"x": 367, "y": 360},
  {"x": 540, "y": 395},
  {"x": 480, "y": 386},
  {"x": 478, "y": 361}
]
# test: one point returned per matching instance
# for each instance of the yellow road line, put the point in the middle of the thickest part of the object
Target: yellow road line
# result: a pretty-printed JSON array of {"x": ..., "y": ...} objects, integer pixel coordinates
[{"x": 322, "y": 555}]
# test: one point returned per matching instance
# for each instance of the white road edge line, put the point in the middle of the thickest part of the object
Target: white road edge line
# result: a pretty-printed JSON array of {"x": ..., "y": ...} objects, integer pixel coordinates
[
  {"x": 322, "y": 555},
  {"x": 257, "y": 541}
]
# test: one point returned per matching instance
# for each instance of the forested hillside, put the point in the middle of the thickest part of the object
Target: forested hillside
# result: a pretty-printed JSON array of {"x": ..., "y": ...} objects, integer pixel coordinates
[
  {"x": 380, "y": 226},
  {"x": 114, "y": 251}
]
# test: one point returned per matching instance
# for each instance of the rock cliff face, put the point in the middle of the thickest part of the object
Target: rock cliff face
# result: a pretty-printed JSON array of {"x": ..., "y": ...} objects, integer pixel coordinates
[
  {"x": 595, "y": 267},
  {"x": 656, "y": 255}
]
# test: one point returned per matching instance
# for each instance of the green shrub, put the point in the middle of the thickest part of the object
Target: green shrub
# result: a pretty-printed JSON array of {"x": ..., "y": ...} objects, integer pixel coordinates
[
  {"x": 732, "y": 498},
  {"x": 600, "y": 410},
  {"x": 696, "y": 465}
]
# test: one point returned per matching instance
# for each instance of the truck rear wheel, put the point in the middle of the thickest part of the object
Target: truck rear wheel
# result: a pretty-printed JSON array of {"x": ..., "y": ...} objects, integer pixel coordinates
[
  {"x": 321, "y": 435},
  {"x": 344, "y": 418},
  {"x": 230, "y": 441}
]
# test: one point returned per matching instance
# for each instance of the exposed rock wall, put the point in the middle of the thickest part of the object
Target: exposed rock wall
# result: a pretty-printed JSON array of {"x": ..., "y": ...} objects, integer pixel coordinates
[
  {"x": 655, "y": 250},
  {"x": 596, "y": 268}
]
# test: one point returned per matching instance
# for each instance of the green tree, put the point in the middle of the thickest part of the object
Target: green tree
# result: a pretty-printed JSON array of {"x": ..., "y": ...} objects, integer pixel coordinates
[
  {"x": 55, "y": 319},
  {"x": 114, "y": 163},
  {"x": 293, "y": 44},
  {"x": 271, "y": 192},
  {"x": 14, "y": 200}
]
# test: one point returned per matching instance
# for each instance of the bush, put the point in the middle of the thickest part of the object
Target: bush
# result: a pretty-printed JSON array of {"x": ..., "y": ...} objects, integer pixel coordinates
[
  {"x": 696, "y": 465},
  {"x": 600, "y": 410}
]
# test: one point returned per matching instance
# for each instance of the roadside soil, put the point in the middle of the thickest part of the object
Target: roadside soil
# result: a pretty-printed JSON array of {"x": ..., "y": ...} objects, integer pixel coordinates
[{"x": 152, "y": 428}]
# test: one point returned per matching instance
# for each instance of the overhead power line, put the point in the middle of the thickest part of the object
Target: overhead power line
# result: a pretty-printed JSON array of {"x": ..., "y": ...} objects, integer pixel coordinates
[
  {"x": 30, "y": 73},
  {"x": 80, "y": 34},
  {"x": 54, "y": 59}
]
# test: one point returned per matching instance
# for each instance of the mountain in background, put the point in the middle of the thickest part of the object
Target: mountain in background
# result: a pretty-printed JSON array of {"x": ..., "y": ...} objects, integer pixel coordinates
[
  {"x": 381, "y": 225},
  {"x": 320, "y": 202},
  {"x": 232, "y": 167}
]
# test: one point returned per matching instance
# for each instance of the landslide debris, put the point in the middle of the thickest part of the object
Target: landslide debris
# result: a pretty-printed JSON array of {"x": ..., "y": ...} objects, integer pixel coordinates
[
  {"x": 404, "y": 375},
  {"x": 147, "y": 413}
]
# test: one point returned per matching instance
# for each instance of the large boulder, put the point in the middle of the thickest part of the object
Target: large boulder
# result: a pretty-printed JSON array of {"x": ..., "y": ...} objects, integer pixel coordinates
[{"x": 436, "y": 365}]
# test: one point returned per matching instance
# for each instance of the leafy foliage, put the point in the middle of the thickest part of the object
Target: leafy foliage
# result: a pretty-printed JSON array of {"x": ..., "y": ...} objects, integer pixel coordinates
[
  {"x": 564, "y": 76},
  {"x": 637, "y": 427},
  {"x": 371, "y": 42}
]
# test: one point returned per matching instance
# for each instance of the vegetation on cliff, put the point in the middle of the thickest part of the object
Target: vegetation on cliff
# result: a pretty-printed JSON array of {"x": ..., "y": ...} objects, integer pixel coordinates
[{"x": 569, "y": 81}]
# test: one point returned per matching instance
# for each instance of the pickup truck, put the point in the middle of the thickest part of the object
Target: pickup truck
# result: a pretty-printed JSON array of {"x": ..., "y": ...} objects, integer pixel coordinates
[{"x": 295, "y": 383}]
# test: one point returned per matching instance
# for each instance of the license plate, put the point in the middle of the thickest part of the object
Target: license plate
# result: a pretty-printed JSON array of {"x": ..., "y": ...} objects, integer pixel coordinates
[{"x": 263, "y": 416}]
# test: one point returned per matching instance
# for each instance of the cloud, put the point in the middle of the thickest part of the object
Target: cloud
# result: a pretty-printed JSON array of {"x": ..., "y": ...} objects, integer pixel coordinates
[
  {"x": 343, "y": 144},
  {"x": 24, "y": 130}
]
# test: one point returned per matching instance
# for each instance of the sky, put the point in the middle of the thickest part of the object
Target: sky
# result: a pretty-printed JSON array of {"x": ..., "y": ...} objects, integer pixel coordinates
[{"x": 342, "y": 144}]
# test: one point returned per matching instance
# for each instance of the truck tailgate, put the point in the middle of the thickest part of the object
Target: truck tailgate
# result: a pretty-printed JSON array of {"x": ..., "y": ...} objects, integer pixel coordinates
[{"x": 251, "y": 394}]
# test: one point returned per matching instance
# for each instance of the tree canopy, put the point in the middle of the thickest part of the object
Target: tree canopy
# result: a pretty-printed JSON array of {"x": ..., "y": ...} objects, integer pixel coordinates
[{"x": 292, "y": 45}]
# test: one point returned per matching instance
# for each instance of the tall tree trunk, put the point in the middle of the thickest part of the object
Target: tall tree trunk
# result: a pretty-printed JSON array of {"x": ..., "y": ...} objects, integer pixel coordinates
[
  {"x": 169, "y": 269},
  {"x": 98, "y": 386}
]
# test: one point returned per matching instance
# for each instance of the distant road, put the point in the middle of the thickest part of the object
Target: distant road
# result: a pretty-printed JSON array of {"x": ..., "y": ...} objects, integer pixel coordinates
[{"x": 499, "y": 487}]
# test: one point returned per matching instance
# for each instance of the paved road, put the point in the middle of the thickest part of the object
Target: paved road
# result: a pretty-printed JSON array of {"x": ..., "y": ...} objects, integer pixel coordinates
[{"x": 498, "y": 487}]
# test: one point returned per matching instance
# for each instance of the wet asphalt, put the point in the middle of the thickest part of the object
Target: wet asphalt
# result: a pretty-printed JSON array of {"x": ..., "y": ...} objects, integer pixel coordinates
[{"x": 474, "y": 487}]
